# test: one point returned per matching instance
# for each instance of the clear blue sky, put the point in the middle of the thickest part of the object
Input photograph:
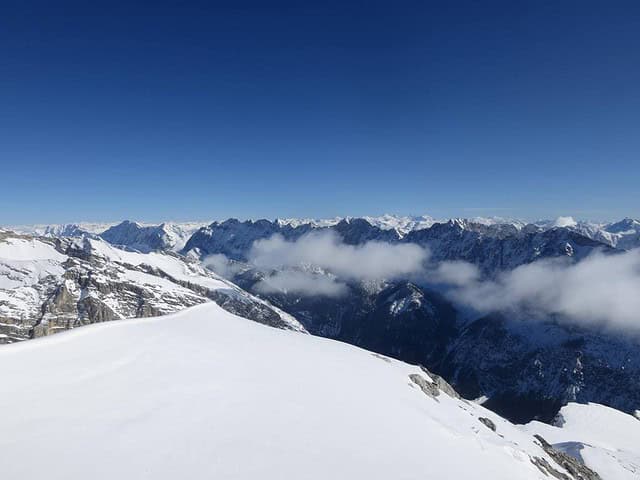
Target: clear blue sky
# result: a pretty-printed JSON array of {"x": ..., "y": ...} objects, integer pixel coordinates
[{"x": 189, "y": 110}]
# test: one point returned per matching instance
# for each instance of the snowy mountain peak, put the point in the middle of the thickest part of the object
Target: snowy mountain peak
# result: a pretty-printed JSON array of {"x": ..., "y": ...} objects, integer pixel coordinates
[
  {"x": 147, "y": 238},
  {"x": 565, "y": 222},
  {"x": 625, "y": 226}
]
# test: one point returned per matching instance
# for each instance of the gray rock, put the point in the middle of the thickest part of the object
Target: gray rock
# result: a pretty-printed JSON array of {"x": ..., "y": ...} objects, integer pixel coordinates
[
  {"x": 430, "y": 389},
  {"x": 487, "y": 423},
  {"x": 578, "y": 470},
  {"x": 93, "y": 289}
]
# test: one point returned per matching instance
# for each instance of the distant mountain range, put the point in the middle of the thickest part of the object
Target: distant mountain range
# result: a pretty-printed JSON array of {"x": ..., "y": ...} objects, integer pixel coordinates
[{"x": 623, "y": 234}]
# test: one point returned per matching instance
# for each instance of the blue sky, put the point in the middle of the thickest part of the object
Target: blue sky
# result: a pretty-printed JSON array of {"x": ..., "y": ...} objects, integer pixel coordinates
[{"x": 208, "y": 110}]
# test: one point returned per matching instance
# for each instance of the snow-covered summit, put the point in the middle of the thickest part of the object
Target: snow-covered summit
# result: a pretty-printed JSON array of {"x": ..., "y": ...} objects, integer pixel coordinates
[
  {"x": 146, "y": 238},
  {"x": 140, "y": 236},
  {"x": 205, "y": 394}
]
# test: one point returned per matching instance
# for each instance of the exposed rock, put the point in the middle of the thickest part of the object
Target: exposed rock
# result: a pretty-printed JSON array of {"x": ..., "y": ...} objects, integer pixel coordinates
[
  {"x": 544, "y": 466},
  {"x": 73, "y": 282},
  {"x": 429, "y": 388},
  {"x": 578, "y": 470},
  {"x": 441, "y": 383},
  {"x": 488, "y": 423},
  {"x": 434, "y": 386}
]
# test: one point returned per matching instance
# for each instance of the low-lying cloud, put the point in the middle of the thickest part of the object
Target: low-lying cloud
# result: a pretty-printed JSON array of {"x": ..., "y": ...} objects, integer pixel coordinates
[
  {"x": 601, "y": 289},
  {"x": 326, "y": 250},
  {"x": 303, "y": 283},
  {"x": 220, "y": 264},
  {"x": 320, "y": 263}
]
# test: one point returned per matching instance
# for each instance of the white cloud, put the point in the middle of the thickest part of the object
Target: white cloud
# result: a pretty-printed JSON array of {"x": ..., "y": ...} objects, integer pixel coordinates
[
  {"x": 304, "y": 283},
  {"x": 601, "y": 289},
  {"x": 565, "y": 222},
  {"x": 221, "y": 265},
  {"x": 372, "y": 260},
  {"x": 455, "y": 273}
]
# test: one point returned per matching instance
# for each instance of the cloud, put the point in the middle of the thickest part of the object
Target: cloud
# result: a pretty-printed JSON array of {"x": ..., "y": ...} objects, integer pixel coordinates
[
  {"x": 601, "y": 289},
  {"x": 300, "y": 282},
  {"x": 369, "y": 261},
  {"x": 222, "y": 265},
  {"x": 457, "y": 273},
  {"x": 565, "y": 222}
]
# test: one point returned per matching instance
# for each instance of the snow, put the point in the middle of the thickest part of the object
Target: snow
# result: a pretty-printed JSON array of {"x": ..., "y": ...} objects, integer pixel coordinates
[
  {"x": 23, "y": 264},
  {"x": 204, "y": 394},
  {"x": 32, "y": 271},
  {"x": 174, "y": 266},
  {"x": 403, "y": 224},
  {"x": 316, "y": 222},
  {"x": 57, "y": 229},
  {"x": 19, "y": 249},
  {"x": 606, "y": 439}
]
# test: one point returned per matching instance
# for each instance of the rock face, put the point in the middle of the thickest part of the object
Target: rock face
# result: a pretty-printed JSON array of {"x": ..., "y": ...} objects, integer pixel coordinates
[
  {"x": 397, "y": 319},
  {"x": 529, "y": 369},
  {"x": 492, "y": 248},
  {"x": 48, "y": 285},
  {"x": 569, "y": 463},
  {"x": 495, "y": 248},
  {"x": 234, "y": 238}
]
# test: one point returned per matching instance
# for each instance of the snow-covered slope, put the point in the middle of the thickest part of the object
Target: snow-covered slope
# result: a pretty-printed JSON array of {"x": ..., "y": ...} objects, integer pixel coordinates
[
  {"x": 624, "y": 234},
  {"x": 148, "y": 238},
  {"x": 607, "y": 440},
  {"x": 62, "y": 229},
  {"x": 204, "y": 394},
  {"x": 144, "y": 237},
  {"x": 48, "y": 285},
  {"x": 493, "y": 247}
]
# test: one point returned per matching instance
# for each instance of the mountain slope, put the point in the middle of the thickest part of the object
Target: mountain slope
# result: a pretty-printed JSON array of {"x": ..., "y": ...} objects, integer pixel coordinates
[
  {"x": 526, "y": 374},
  {"x": 529, "y": 367},
  {"x": 149, "y": 238},
  {"x": 48, "y": 285},
  {"x": 603, "y": 438},
  {"x": 491, "y": 247},
  {"x": 205, "y": 394}
]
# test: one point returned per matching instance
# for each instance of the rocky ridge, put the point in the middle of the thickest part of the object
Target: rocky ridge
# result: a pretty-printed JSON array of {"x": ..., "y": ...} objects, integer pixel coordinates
[{"x": 48, "y": 285}]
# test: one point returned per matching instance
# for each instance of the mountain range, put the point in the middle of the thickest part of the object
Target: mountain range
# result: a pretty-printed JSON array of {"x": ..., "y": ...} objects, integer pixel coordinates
[
  {"x": 623, "y": 234},
  {"x": 522, "y": 368}
]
